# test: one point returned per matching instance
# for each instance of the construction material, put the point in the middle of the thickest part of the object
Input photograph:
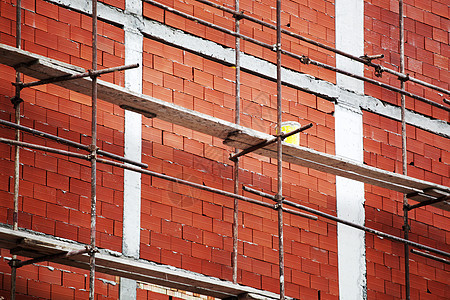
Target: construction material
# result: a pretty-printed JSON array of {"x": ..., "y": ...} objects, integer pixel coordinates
[
  {"x": 269, "y": 142},
  {"x": 433, "y": 257},
  {"x": 93, "y": 156},
  {"x": 108, "y": 262},
  {"x": 290, "y": 126},
  {"x": 237, "y": 120},
  {"x": 70, "y": 143},
  {"x": 302, "y": 58},
  {"x": 365, "y": 59},
  {"x": 234, "y": 135},
  {"x": 88, "y": 73}
]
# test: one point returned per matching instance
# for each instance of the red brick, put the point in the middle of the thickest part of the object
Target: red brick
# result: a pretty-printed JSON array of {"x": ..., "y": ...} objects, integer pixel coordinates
[
  {"x": 320, "y": 283},
  {"x": 439, "y": 9},
  {"x": 181, "y": 246},
  {"x": 221, "y": 256},
  {"x": 182, "y": 216},
  {"x": 68, "y": 16},
  {"x": 175, "y": 21},
  {"x": 57, "y": 212},
  {"x": 163, "y": 152},
  {"x": 310, "y": 266},
  {"x": 253, "y": 250},
  {"x": 202, "y": 222},
  {"x": 263, "y": 239},
  {"x": 80, "y": 35},
  {"x": 152, "y": 12},
  {"x": 251, "y": 279},
  {"x": 52, "y": 276},
  {"x": 193, "y": 146},
  {"x": 150, "y": 253},
  {"x": 432, "y": 45},
  {"x": 192, "y": 234},
  {"x": 171, "y": 228},
  {"x": 203, "y": 78},
  {"x": 65, "y": 230},
  {"x": 38, "y": 289}
]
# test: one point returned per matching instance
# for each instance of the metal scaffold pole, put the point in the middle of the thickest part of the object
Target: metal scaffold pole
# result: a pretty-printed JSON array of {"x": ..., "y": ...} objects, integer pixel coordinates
[
  {"x": 93, "y": 154},
  {"x": 236, "y": 162},
  {"x": 16, "y": 100},
  {"x": 307, "y": 60},
  {"x": 282, "y": 205},
  {"x": 366, "y": 60},
  {"x": 279, "y": 195},
  {"x": 404, "y": 152}
]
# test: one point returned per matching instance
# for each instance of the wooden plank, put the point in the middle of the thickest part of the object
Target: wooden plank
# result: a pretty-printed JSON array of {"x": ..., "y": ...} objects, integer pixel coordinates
[
  {"x": 346, "y": 168},
  {"x": 233, "y": 135},
  {"x": 35, "y": 245}
]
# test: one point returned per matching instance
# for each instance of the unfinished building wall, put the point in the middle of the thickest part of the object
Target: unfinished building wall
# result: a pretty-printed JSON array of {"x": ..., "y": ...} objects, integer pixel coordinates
[
  {"x": 192, "y": 229},
  {"x": 425, "y": 57}
]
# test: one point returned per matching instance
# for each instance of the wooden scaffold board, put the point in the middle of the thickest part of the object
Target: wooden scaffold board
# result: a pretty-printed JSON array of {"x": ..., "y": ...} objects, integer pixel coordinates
[
  {"x": 31, "y": 244},
  {"x": 233, "y": 135}
]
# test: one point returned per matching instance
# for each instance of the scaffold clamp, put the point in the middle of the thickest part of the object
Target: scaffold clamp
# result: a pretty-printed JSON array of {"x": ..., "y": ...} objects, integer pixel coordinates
[{"x": 16, "y": 100}]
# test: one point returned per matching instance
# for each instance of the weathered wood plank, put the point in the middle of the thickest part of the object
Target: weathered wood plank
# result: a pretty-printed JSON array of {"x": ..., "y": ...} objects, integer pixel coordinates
[
  {"x": 233, "y": 135},
  {"x": 114, "y": 263}
]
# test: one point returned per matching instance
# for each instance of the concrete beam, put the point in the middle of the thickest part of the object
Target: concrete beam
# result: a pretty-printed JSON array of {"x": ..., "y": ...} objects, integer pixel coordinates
[
  {"x": 232, "y": 134},
  {"x": 305, "y": 82},
  {"x": 109, "y": 262}
]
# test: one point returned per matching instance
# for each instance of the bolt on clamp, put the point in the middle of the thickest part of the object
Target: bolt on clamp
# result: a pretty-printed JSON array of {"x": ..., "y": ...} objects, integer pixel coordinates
[{"x": 379, "y": 71}]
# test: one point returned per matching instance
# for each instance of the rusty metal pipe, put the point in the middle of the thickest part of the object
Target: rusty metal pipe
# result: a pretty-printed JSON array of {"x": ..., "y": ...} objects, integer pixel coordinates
[
  {"x": 88, "y": 73},
  {"x": 93, "y": 148},
  {"x": 51, "y": 257},
  {"x": 259, "y": 193},
  {"x": 279, "y": 195},
  {"x": 16, "y": 102},
  {"x": 273, "y": 198},
  {"x": 240, "y": 15},
  {"x": 406, "y": 228},
  {"x": 70, "y": 143},
  {"x": 302, "y": 59},
  {"x": 300, "y": 214},
  {"x": 271, "y": 206},
  {"x": 185, "y": 182},
  {"x": 366, "y": 229},
  {"x": 43, "y": 148},
  {"x": 436, "y": 258},
  {"x": 263, "y": 144},
  {"x": 305, "y": 60},
  {"x": 237, "y": 120}
]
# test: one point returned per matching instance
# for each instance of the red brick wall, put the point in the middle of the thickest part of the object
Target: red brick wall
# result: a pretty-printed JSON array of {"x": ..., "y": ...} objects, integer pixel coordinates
[
  {"x": 426, "y": 51},
  {"x": 54, "y": 190},
  {"x": 194, "y": 231},
  {"x": 188, "y": 228}
]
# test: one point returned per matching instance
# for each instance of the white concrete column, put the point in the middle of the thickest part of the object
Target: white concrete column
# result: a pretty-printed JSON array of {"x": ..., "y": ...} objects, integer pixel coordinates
[
  {"x": 349, "y": 144},
  {"x": 133, "y": 150}
]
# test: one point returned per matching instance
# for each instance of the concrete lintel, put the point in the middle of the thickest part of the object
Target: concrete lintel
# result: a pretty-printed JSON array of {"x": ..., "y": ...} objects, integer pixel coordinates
[
  {"x": 236, "y": 136},
  {"x": 114, "y": 263},
  {"x": 252, "y": 64}
]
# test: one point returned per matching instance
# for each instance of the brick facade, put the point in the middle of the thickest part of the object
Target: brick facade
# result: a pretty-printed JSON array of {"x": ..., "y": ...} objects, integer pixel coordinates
[{"x": 192, "y": 229}]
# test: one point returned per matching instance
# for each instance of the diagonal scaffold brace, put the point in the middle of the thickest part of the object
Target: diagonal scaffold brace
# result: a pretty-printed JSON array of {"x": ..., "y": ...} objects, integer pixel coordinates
[{"x": 263, "y": 144}]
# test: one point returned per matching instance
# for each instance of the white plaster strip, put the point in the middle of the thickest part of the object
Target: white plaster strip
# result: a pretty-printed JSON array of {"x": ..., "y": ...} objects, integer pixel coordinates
[
  {"x": 133, "y": 150},
  {"x": 349, "y": 144},
  {"x": 302, "y": 81}
]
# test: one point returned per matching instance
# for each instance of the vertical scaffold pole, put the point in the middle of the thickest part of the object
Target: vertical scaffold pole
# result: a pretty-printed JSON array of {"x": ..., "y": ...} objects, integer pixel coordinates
[
  {"x": 279, "y": 156},
  {"x": 404, "y": 153},
  {"x": 234, "y": 257},
  {"x": 93, "y": 154},
  {"x": 16, "y": 100}
]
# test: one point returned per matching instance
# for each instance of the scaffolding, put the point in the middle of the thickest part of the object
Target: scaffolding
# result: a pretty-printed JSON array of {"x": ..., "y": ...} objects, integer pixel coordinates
[{"x": 244, "y": 140}]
